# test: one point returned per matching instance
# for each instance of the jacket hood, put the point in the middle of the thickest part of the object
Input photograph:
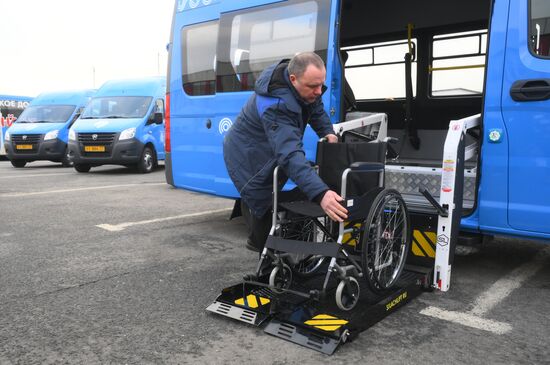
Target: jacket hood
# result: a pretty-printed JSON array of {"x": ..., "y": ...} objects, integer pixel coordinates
[{"x": 274, "y": 82}]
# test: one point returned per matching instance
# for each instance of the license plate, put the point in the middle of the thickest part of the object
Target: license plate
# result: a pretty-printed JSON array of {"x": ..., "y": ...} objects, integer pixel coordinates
[
  {"x": 23, "y": 146},
  {"x": 94, "y": 148}
]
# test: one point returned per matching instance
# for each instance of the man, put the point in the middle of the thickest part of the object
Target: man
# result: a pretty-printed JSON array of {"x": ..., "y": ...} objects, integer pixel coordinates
[{"x": 269, "y": 131}]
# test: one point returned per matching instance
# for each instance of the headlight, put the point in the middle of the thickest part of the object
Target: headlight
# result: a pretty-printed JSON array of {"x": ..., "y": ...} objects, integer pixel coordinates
[
  {"x": 51, "y": 135},
  {"x": 127, "y": 134},
  {"x": 7, "y": 136},
  {"x": 72, "y": 135}
]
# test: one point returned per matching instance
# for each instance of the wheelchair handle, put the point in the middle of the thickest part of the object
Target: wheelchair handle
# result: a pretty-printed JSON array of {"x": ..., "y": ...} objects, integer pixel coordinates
[{"x": 367, "y": 167}]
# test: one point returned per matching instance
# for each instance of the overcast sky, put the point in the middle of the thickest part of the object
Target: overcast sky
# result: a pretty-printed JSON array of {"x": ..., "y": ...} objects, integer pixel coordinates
[{"x": 57, "y": 44}]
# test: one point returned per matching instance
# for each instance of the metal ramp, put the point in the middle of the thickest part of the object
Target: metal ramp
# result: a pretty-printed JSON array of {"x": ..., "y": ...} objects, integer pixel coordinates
[{"x": 316, "y": 324}]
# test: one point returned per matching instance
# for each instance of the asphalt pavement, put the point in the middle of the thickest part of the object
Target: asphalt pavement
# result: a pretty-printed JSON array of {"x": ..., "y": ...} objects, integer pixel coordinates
[{"x": 113, "y": 266}]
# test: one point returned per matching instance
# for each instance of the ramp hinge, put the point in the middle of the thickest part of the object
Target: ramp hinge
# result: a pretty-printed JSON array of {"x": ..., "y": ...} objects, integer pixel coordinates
[{"x": 442, "y": 211}]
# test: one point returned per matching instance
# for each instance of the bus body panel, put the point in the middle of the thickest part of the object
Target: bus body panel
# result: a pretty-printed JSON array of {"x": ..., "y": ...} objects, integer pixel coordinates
[
  {"x": 493, "y": 188},
  {"x": 528, "y": 127}
]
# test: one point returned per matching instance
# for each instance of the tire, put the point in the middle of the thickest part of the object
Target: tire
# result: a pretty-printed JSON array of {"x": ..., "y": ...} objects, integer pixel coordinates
[
  {"x": 304, "y": 230},
  {"x": 385, "y": 241},
  {"x": 147, "y": 160},
  {"x": 280, "y": 278},
  {"x": 347, "y": 294},
  {"x": 82, "y": 167},
  {"x": 66, "y": 161},
  {"x": 18, "y": 163}
]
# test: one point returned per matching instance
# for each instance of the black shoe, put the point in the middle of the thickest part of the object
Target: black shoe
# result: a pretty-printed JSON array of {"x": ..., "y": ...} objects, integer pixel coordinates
[{"x": 251, "y": 247}]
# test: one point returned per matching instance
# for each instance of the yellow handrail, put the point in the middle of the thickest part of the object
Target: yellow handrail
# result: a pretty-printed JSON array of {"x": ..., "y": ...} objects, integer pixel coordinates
[{"x": 431, "y": 69}]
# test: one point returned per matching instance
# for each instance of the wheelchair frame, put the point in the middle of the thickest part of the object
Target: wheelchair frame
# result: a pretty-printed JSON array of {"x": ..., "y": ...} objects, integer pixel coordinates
[{"x": 348, "y": 290}]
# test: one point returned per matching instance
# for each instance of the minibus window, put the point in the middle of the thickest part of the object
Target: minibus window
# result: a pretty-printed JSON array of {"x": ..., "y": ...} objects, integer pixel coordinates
[
  {"x": 377, "y": 71},
  {"x": 117, "y": 107},
  {"x": 458, "y": 64},
  {"x": 198, "y": 49},
  {"x": 540, "y": 28},
  {"x": 46, "y": 114},
  {"x": 252, "y": 40}
]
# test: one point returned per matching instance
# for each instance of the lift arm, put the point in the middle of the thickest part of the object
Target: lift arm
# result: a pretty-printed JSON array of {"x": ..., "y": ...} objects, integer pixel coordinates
[{"x": 455, "y": 152}]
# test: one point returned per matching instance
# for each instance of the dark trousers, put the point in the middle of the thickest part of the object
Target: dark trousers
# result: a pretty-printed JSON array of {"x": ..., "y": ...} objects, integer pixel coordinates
[{"x": 258, "y": 227}]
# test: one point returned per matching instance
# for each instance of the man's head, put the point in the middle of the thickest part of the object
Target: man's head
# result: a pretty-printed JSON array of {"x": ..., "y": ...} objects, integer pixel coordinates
[{"x": 307, "y": 74}]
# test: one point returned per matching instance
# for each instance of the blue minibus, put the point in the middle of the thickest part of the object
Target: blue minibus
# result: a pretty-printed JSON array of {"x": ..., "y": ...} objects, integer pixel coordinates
[
  {"x": 11, "y": 106},
  {"x": 476, "y": 70},
  {"x": 41, "y": 131},
  {"x": 123, "y": 125}
]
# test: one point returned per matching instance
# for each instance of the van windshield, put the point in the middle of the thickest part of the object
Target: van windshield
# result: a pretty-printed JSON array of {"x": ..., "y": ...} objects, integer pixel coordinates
[
  {"x": 117, "y": 107},
  {"x": 46, "y": 114}
]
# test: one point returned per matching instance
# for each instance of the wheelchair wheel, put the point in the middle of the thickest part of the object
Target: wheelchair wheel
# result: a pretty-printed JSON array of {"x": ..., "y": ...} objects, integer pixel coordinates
[
  {"x": 304, "y": 230},
  {"x": 347, "y": 294},
  {"x": 280, "y": 278},
  {"x": 386, "y": 239}
]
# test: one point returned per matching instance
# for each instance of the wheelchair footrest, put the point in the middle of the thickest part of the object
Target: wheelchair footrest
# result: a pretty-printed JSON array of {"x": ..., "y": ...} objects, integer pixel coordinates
[{"x": 328, "y": 249}]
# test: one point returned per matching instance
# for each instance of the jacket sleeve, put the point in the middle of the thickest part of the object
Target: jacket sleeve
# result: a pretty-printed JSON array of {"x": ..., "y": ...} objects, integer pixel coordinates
[
  {"x": 320, "y": 121},
  {"x": 285, "y": 138}
]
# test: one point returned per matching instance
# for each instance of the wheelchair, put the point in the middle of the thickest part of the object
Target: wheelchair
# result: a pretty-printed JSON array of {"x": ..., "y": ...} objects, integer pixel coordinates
[{"x": 370, "y": 247}]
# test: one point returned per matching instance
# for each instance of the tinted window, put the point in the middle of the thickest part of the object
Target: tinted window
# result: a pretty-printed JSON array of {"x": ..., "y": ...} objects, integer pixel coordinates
[
  {"x": 254, "y": 39},
  {"x": 198, "y": 62},
  {"x": 114, "y": 107},
  {"x": 540, "y": 27}
]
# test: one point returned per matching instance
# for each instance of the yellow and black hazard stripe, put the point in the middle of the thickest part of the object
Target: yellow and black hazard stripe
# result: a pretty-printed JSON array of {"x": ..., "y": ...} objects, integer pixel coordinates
[
  {"x": 423, "y": 243},
  {"x": 326, "y": 322},
  {"x": 252, "y": 301},
  {"x": 348, "y": 239}
]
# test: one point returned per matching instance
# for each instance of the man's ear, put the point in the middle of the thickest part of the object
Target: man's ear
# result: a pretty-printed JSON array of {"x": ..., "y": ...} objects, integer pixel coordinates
[{"x": 292, "y": 78}]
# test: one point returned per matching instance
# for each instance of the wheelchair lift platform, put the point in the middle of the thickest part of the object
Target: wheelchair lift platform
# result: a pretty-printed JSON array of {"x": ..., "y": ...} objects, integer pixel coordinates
[{"x": 317, "y": 324}]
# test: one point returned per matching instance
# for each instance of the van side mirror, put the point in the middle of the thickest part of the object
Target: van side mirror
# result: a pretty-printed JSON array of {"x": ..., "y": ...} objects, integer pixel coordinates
[{"x": 158, "y": 118}]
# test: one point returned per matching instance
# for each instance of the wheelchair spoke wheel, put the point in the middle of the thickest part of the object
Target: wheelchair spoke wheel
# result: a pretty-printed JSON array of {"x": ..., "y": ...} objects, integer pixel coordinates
[
  {"x": 280, "y": 278},
  {"x": 347, "y": 294},
  {"x": 386, "y": 239},
  {"x": 304, "y": 229}
]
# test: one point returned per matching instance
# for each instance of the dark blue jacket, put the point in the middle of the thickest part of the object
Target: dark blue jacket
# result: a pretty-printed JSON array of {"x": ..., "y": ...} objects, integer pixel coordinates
[{"x": 268, "y": 132}]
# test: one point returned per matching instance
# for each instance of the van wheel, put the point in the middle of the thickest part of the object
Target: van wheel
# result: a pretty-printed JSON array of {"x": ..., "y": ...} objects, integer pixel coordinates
[
  {"x": 147, "y": 161},
  {"x": 18, "y": 163},
  {"x": 66, "y": 161},
  {"x": 82, "y": 167}
]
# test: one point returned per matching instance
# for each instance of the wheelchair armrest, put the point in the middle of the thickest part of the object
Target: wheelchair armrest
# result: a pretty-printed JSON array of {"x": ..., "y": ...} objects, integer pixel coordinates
[{"x": 367, "y": 167}]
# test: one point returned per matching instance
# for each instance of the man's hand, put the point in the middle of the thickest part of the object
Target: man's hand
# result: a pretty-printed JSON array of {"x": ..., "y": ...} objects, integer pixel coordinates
[
  {"x": 331, "y": 138},
  {"x": 331, "y": 205}
]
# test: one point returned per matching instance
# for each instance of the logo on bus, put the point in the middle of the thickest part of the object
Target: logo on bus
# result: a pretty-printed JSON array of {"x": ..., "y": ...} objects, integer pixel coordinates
[
  {"x": 7, "y": 121},
  {"x": 192, "y": 4},
  {"x": 224, "y": 125}
]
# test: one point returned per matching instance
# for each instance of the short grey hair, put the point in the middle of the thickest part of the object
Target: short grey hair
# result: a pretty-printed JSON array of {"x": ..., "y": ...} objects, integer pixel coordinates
[{"x": 299, "y": 63}]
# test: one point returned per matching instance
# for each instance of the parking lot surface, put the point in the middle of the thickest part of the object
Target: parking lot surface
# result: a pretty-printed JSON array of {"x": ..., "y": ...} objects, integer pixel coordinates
[{"x": 112, "y": 266}]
